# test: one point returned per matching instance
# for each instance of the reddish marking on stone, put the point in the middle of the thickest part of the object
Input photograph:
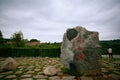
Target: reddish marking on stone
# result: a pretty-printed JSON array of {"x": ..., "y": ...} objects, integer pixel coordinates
[
  {"x": 78, "y": 39},
  {"x": 79, "y": 48},
  {"x": 80, "y": 56}
]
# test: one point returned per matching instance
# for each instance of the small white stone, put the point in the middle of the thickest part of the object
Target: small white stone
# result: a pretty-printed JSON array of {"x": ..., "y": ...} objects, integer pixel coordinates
[
  {"x": 9, "y": 64},
  {"x": 50, "y": 70}
]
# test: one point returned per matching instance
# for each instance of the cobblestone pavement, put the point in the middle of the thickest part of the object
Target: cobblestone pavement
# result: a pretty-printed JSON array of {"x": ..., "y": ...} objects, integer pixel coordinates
[{"x": 31, "y": 68}]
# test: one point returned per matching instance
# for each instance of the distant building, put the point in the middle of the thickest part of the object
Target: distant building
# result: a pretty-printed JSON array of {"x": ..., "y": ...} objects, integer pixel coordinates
[
  {"x": 8, "y": 41},
  {"x": 33, "y": 43}
]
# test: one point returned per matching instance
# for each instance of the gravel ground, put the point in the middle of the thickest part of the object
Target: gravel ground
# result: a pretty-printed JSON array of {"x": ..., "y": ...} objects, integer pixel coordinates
[{"x": 31, "y": 68}]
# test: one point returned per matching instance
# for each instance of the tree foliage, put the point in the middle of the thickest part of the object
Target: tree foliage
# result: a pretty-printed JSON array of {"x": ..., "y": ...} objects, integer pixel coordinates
[
  {"x": 49, "y": 45},
  {"x": 34, "y": 40},
  {"x": 1, "y": 39},
  {"x": 17, "y": 39},
  {"x": 114, "y": 44}
]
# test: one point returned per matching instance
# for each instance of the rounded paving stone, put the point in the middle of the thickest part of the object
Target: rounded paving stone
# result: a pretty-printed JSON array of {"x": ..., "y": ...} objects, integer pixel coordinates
[
  {"x": 30, "y": 72},
  {"x": 54, "y": 78},
  {"x": 41, "y": 72},
  {"x": 86, "y": 78},
  {"x": 18, "y": 72},
  {"x": 68, "y": 78},
  {"x": 117, "y": 72},
  {"x": 1, "y": 76},
  {"x": 104, "y": 70},
  {"x": 11, "y": 76},
  {"x": 20, "y": 67},
  {"x": 36, "y": 69},
  {"x": 115, "y": 76},
  {"x": 27, "y": 79},
  {"x": 30, "y": 67},
  {"x": 40, "y": 77},
  {"x": 6, "y": 73},
  {"x": 26, "y": 76}
]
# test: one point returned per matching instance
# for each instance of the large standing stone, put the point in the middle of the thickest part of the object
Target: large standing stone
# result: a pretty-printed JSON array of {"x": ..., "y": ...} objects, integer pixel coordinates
[{"x": 80, "y": 50}]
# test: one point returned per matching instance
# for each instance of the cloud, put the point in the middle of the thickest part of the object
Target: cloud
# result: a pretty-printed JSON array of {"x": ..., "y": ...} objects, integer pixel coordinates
[{"x": 48, "y": 19}]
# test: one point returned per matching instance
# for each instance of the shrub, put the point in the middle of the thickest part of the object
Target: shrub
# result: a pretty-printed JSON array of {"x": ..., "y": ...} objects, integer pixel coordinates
[{"x": 29, "y": 52}]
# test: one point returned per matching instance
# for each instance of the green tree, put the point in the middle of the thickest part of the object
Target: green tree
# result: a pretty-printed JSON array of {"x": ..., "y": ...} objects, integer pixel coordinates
[
  {"x": 1, "y": 39},
  {"x": 17, "y": 39},
  {"x": 34, "y": 40}
]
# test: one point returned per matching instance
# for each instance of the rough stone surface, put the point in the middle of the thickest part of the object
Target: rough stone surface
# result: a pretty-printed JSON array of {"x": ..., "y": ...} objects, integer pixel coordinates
[
  {"x": 86, "y": 78},
  {"x": 9, "y": 64},
  {"x": 54, "y": 78},
  {"x": 115, "y": 76},
  {"x": 50, "y": 70},
  {"x": 40, "y": 77},
  {"x": 68, "y": 78},
  {"x": 80, "y": 50},
  {"x": 1, "y": 76},
  {"x": 26, "y": 76},
  {"x": 11, "y": 76},
  {"x": 27, "y": 79}
]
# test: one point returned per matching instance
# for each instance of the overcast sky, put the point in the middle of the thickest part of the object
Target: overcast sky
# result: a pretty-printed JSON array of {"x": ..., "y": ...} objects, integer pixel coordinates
[{"x": 47, "y": 20}]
